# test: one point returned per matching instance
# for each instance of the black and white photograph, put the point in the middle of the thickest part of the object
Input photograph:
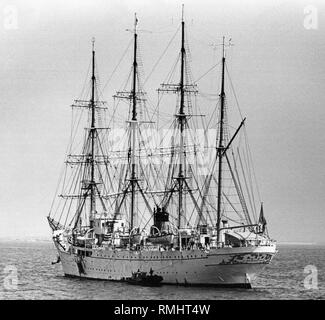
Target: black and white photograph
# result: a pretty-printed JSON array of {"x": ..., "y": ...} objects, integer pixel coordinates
[{"x": 162, "y": 150}]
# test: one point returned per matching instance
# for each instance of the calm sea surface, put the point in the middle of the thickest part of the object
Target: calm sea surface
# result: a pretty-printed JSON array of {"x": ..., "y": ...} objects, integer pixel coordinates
[{"x": 39, "y": 279}]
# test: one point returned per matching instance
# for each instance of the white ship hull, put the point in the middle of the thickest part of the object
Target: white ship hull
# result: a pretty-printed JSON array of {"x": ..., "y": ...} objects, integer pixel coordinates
[{"x": 219, "y": 267}]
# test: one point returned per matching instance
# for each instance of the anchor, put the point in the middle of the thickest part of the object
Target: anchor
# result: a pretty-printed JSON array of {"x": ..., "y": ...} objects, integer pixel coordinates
[{"x": 58, "y": 260}]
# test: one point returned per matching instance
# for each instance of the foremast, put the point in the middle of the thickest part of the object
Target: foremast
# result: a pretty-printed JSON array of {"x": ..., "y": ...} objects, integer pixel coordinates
[
  {"x": 85, "y": 170},
  {"x": 91, "y": 186}
]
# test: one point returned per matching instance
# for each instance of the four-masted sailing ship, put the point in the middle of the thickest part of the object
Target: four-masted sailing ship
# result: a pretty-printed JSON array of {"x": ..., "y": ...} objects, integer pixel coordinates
[{"x": 125, "y": 207}]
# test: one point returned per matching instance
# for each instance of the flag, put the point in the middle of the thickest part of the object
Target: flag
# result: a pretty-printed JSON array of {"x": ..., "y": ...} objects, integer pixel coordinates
[{"x": 261, "y": 219}]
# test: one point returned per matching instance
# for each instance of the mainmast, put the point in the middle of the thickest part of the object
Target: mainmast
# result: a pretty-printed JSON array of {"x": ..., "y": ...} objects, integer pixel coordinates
[
  {"x": 92, "y": 137},
  {"x": 133, "y": 96},
  {"x": 133, "y": 124},
  {"x": 181, "y": 120},
  {"x": 220, "y": 147}
]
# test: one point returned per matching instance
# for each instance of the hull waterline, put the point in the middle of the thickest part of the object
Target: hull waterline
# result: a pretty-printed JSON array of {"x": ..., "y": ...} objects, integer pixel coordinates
[{"x": 226, "y": 267}]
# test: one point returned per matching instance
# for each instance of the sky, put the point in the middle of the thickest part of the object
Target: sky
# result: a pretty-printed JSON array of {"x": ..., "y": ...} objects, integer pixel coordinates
[{"x": 277, "y": 66}]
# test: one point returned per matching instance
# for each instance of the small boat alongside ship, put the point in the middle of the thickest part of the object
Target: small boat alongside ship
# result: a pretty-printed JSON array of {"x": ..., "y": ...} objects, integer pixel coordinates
[{"x": 143, "y": 279}]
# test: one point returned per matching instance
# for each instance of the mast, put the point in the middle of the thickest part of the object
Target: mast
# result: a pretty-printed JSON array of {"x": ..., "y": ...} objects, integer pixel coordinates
[
  {"x": 82, "y": 188},
  {"x": 181, "y": 119},
  {"x": 181, "y": 88},
  {"x": 134, "y": 96},
  {"x": 133, "y": 124},
  {"x": 220, "y": 148},
  {"x": 92, "y": 137}
]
